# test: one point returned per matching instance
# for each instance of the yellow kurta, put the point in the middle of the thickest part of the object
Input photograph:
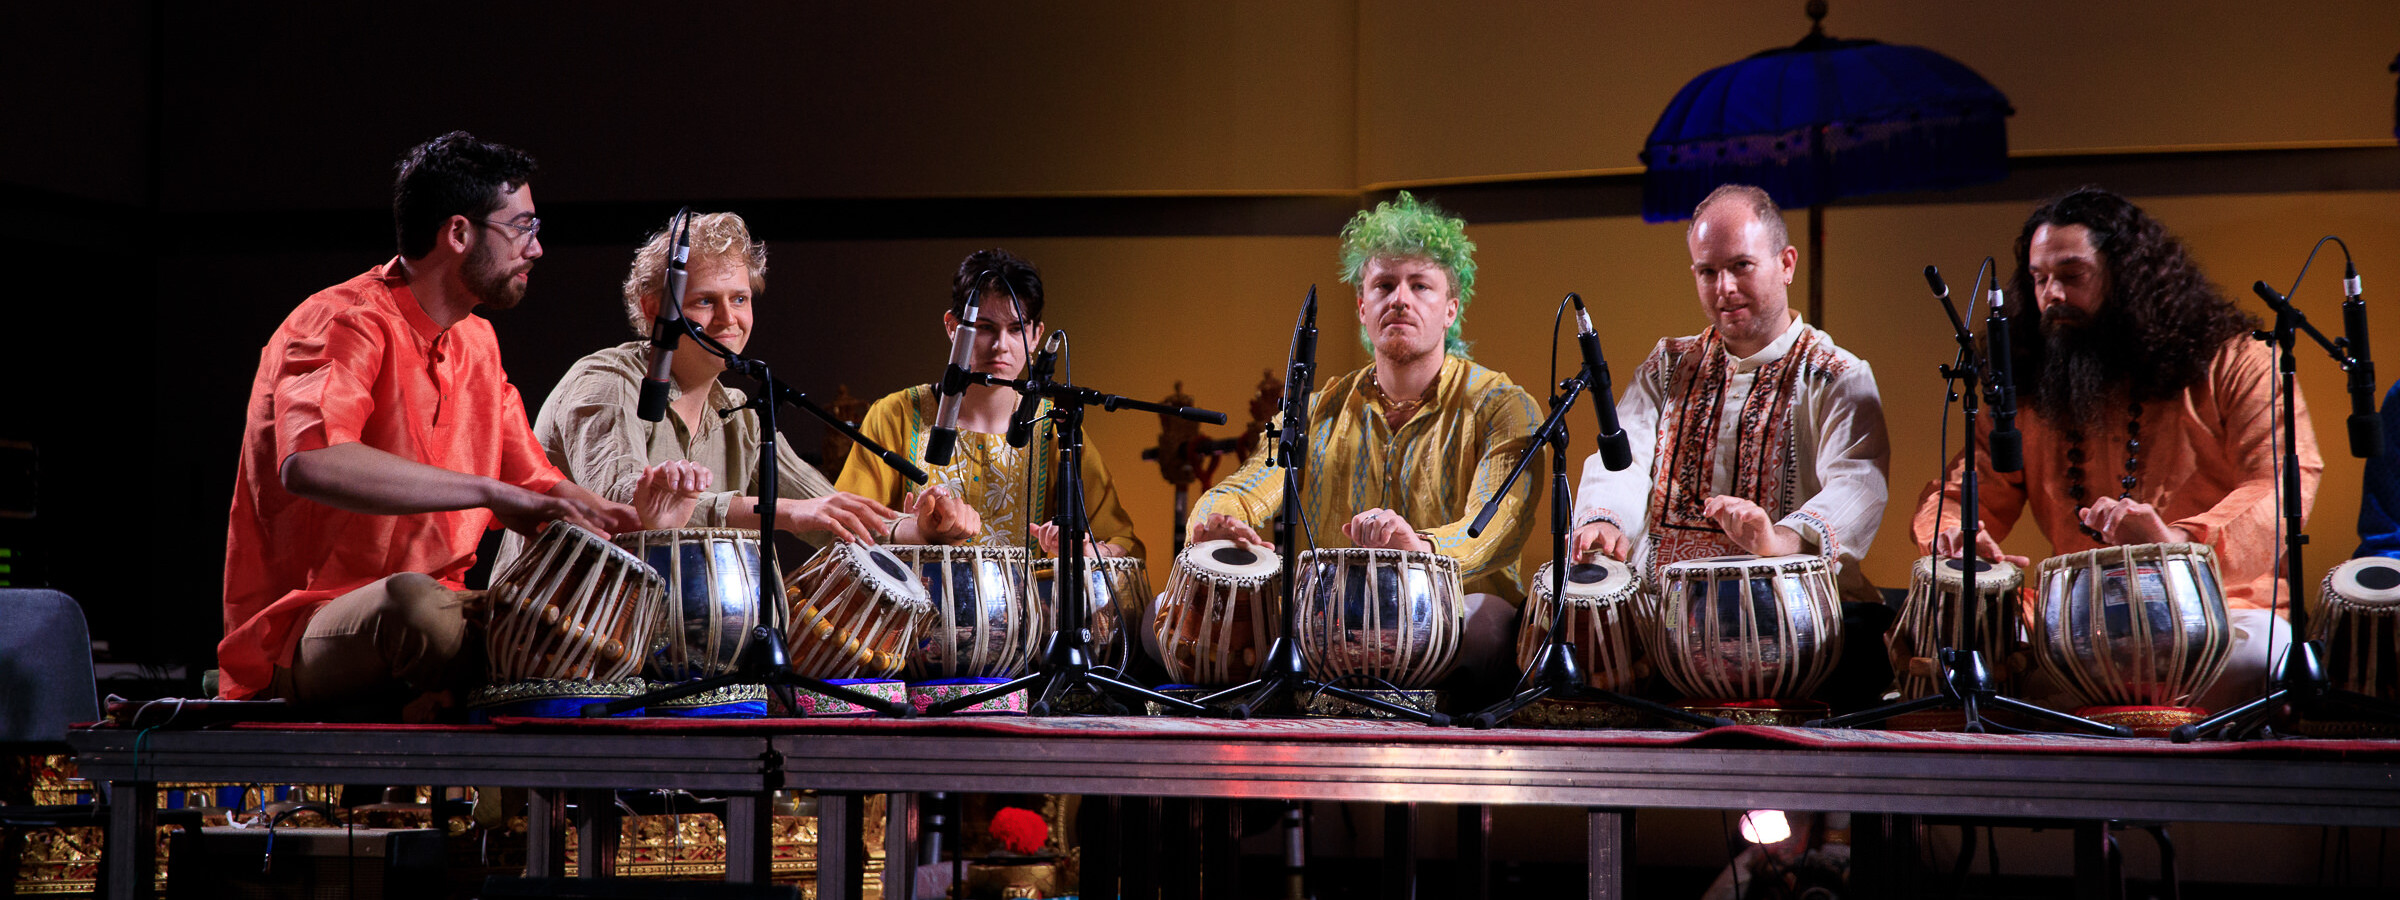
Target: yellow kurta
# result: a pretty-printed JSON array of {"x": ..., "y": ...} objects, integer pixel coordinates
[
  {"x": 984, "y": 470},
  {"x": 1438, "y": 470}
]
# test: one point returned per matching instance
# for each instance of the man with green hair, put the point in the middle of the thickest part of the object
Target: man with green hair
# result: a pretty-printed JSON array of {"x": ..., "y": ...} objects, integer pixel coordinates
[{"x": 1404, "y": 453}]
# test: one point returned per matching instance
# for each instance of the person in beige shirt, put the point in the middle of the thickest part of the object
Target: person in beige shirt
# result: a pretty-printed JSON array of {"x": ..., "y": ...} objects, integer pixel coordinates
[{"x": 589, "y": 429}]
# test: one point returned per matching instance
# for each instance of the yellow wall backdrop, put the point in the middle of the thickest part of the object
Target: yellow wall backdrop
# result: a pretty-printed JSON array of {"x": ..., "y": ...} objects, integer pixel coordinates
[{"x": 1214, "y": 313}]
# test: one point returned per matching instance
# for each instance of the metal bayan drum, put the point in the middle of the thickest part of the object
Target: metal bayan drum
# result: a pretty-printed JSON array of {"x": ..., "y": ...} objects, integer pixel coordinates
[
  {"x": 985, "y": 623},
  {"x": 1391, "y": 615},
  {"x": 1214, "y": 619},
  {"x": 1740, "y": 628},
  {"x": 1605, "y": 619},
  {"x": 1936, "y": 615},
  {"x": 2153, "y": 634},
  {"x": 574, "y": 607},
  {"x": 2359, "y": 624},
  {"x": 1113, "y": 589},
  {"x": 711, "y": 600},
  {"x": 855, "y": 612}
]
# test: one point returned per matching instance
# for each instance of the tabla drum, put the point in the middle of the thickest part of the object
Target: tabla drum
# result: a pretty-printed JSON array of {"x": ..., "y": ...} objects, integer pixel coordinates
[
  {"x": 1606, "y": 616},
  {"x": 1215, "y": 618},
  {"x": 1746, "y": 628},
  {"x": 855, "y": 611},
  {"x": 573, "y": 607},
  {"x": 2140, "y": 625},
  {"x": 1936, "y": 615},
  {"x": 712, "y": 607},
  {"x": 1114, "y": 590},
  {"x": 2359, "y": 625},
  {"x": 985, "y": 622},
  {"x": 1395, "y": 616}
]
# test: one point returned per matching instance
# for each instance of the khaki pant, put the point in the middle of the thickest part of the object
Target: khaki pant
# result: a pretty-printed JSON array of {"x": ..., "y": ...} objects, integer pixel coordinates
[{"x": 386, "y": 642}]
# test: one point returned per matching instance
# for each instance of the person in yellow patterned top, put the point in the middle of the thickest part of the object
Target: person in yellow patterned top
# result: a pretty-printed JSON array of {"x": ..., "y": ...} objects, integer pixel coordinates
[
  {"x": 1008, "y": 492},
  {"x": 1405, "y": 452}
]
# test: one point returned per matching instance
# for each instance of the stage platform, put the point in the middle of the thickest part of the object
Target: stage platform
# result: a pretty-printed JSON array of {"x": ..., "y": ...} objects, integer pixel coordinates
[{"x": 1608, "y": 773}]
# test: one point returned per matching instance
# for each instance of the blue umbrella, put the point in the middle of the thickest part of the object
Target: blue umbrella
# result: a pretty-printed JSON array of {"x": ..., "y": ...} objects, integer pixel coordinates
[{"x": 1824, "y": 119}]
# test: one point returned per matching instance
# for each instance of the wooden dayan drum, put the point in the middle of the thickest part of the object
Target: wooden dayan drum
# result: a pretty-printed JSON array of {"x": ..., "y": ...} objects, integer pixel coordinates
[{"x": 1605, "y": 620}]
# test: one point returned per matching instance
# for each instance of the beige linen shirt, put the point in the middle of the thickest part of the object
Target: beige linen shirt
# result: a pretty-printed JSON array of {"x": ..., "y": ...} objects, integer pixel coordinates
[{"x": 588, "y": 429}]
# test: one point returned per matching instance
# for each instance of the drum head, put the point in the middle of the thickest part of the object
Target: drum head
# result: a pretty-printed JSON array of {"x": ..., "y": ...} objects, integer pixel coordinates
[
  {"x": 1233, "y": 559},
  {"x": 1953, "y": 570},
  {"x": 1589, "y": 581},
  {"x": 889, "y": 575},
  {"x": 2373, "y": 580}
]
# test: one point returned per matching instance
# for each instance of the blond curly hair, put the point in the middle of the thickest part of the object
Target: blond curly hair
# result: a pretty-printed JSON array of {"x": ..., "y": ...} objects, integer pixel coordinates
[{"x": 717, "y": 238}]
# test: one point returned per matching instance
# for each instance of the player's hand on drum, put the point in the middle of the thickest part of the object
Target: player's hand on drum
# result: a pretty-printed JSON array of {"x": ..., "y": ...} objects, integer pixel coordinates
[
  {"x": 525, "y": 512},
  {"x": 847, "y": 516},
  {"x": 666, "y": 494},
  {"x": 1748, "y": 525},
  {"x": 1598, "y": 538},
  {"x": 1946, "y": 544},
  {"x": 1384, "y": 529},
  {"x": 1046, "y": 535},
  {"x": 1222, "y": 527},
  {"x": 941, "y": 517},
  {"x": 2123, "y": 520}
]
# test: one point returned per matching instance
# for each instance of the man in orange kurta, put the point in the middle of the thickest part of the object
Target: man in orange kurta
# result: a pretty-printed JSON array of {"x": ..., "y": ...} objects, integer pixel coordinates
[
  {"x": 2149, "y": 416},
  {"x": 382, "y": 440}
]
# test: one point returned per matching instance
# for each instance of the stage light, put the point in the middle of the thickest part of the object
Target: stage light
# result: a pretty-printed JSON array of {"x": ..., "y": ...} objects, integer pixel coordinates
[{"x": 1765, "y": 826}]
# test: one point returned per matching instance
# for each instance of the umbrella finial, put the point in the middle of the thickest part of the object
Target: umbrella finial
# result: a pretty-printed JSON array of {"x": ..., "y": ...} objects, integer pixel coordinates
[{"x": 1816, "y": 18}]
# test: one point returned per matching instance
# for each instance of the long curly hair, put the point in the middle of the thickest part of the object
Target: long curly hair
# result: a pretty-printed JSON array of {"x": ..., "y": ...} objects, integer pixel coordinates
[
  {"x": 1406, "y": 227},
  {"x": 2162, "y": 319}
]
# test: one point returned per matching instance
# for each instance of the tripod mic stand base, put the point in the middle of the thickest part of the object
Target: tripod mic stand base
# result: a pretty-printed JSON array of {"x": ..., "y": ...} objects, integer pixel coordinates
[
  {"x": 1557, "y": 675},
  {"x": 1284, "y": 676},
  {"x": 2307, "y": 688}
]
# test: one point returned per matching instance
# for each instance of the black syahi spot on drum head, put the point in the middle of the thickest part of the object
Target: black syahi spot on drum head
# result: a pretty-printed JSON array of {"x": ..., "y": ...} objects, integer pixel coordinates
[
  {"x": 1234, "y": 556},
  {"x": 1981, "y": 565},
  {"x": 1587, "y": 574},
  {"x": 889, "y": 565},
  {"x": 2378, "y": 578}
]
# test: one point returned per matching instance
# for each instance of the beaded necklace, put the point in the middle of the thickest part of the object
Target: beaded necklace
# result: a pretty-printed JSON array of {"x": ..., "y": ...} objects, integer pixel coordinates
[{"x": 2133, "y": 465}]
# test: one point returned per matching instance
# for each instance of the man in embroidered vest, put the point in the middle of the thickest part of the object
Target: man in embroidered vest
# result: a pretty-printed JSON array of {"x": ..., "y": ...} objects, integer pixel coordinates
[
  {"x": 1405, "y": 452},
  {"x": 2149, "y": 417},
  {"x": 1758, "y": 435}
]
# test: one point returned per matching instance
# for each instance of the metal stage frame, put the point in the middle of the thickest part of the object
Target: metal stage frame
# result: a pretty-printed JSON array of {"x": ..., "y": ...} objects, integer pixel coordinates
[{"x": 1609, "y": 782}]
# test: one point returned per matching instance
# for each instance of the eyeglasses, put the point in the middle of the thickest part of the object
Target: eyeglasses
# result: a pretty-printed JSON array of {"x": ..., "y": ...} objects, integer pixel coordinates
[{"x": 528, "y": 231}]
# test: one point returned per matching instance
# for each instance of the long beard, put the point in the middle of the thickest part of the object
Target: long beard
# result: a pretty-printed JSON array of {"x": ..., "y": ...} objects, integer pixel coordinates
[{"x": 2083, "y": 366}]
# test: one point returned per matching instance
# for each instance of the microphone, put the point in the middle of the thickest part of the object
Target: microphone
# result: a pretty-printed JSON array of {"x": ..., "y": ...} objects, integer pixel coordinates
[
  {"x": 1020, "y": 425},
  {"x": 1941, "y": 291},
  {"x": 953, "y": 385},
  {"x": 1296, "y": 372},
  {"x": 667, "y": 330},
  {"x": 1615, "y": 451},
  {"x": 2366, "y": 428},
  {"x": 2008, "y": 446}
]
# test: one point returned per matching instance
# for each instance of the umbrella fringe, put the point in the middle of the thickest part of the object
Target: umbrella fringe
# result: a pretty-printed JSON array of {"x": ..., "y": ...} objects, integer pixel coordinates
[{"x": 1927, "y": 152}]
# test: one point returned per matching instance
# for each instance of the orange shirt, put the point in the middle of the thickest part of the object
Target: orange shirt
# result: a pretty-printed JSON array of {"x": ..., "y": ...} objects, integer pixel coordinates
[
  {"x": 2208, "y": 465},
  {"x": 360, "y": 361}
]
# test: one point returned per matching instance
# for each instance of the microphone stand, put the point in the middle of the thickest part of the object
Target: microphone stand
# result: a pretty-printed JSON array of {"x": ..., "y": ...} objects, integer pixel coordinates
[
  {"x": 1966, "y": 683},
  {"x": 1066, "y": 660},
  {"x": 1555, "y": 671},
  {"x": 2303, "y": 681},
  {"x": 767, "y": 659},
  {"x": 1284, "y": 673}
]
